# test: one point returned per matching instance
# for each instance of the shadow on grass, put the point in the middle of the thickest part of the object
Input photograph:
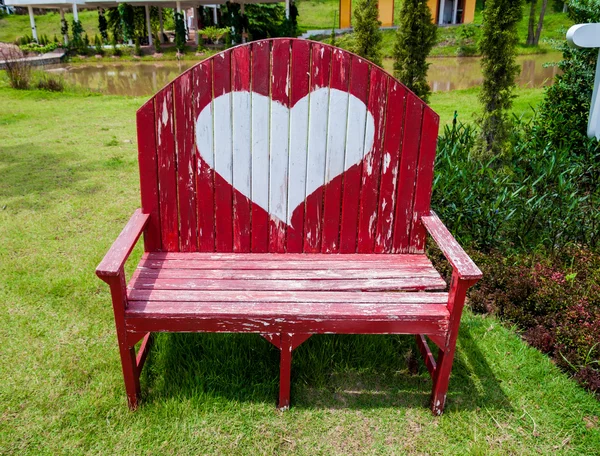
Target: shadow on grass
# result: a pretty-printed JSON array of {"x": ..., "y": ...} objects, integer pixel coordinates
[
  {"x": 29, "y": 171},
  {"x": 329, "y": 371}
]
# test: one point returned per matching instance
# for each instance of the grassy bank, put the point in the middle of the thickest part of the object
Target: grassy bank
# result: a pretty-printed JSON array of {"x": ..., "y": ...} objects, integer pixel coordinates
[
  {"x": 313, "y": 14},
  {"x": 69, "y": 183}
]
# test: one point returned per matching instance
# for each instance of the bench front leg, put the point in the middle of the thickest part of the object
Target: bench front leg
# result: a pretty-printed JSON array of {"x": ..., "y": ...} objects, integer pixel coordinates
[
  {"x": 111, "y": 270},
  {"x": 465, "y": 274}
]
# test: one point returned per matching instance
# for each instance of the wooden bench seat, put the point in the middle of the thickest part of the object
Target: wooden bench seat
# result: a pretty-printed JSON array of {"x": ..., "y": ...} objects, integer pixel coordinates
[
  {"x": 271, "y": 293},
  {"x": 285, "y": 191}
]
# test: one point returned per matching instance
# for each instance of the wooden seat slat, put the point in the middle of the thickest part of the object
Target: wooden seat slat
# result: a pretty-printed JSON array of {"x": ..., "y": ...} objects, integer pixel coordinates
[
  {"x": 285, "y": 274},
  {"x": 304, "y": 310},
  {"x": 396, "y": 259},
  {"x": 397, "y": 284},
  {"x": 246, "y": 296}
]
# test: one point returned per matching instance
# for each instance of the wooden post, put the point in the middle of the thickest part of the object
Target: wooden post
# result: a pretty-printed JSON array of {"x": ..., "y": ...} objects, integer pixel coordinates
[
  {"x": 345, "y": 14},
  {"x": 161, "y": 37},
  {"x": 454, "y": 11},
  {"x": 195, "y": 24},
  {"x": 287, "y": 9},
  {"x": 149, "y": 25},
  {"x": 75, "y": 13},
  {"x": 32, "y": 22},
  {"x": 441, "y": 12},
  {"x": 588, "y": 36}
]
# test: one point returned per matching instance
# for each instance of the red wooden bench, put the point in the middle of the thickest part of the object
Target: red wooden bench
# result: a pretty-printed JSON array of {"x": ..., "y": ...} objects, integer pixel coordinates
[{"x": 285, "y": 191}]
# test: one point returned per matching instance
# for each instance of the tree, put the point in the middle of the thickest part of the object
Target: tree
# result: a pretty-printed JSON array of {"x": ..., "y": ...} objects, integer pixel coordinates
[
  {"x": 533, "y": 38},
  {"x": 498, "y": 48},
  {"x": 102, "y": 25},
  {"x": 179, "y": 33},
  {"x": 366, "y": 31},
  {"x": 415, "y": 37}
]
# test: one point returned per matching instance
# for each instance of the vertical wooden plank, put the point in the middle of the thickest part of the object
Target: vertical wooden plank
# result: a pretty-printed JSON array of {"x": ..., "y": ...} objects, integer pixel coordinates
[
  {"x": 336, "y": 150},
  {"x": 279, "y": 144},
  {"x": 355, "y": 151},
  {"x": 422, "y": 202},
  {"x": 242, "y": 159},
  {"x": 407, "y": 173},
  {"x": 317, "y": 146},
  {"x": 186, "y": 162},
  {"x": 146, "y": 138},
  {"x": 389, "y": 170},
  {"x": 202, "y": 75},
  {"x": 166, "y": 169},
  {"x": 298, "y": 145},
  {"x": 369, "y": 192},
  {"x": 261, "y": 57},
  {"x": 223, "y": 146}
]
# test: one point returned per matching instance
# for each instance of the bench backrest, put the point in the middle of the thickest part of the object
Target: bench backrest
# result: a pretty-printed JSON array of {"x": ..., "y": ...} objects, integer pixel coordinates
[{"x": 286, "y": 145}]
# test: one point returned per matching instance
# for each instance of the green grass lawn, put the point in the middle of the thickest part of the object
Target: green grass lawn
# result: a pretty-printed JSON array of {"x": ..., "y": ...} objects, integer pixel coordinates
[
  {"x": 69, "y": 183},
  {"x": 15, "y": 26},
  {"x": 467, "y": 105}
]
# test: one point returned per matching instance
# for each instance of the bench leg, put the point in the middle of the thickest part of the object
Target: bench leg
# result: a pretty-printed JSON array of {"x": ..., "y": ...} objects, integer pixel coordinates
[
  {"x": 441, "y": 376},
  {"x": 285, "y": 371},
  {"x": 131, "y": 373}
]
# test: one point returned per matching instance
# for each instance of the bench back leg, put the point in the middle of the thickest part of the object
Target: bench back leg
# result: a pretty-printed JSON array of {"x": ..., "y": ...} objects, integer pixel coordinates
[{"x": 285, "y": 371}]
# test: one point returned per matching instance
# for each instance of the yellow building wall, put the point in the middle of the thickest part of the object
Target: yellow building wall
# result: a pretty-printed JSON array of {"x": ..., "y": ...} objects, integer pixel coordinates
[
  {"x": 469, "y": 11},
  {"x": 345, "y": 13},
  {"x": 386, "y": 12},
  {"x": 433, "y": 6}
]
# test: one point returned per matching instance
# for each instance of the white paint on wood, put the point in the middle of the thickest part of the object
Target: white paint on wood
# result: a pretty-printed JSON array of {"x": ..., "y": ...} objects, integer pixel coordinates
[
  {"x": 260, "y": 149},
  {"x": 279, "y": 157},
  {"x": 223, "y": 144},
  {"x": 242, "y": 159},
  {"x": 269, "y": 143},
  {"x": 336, "y": 136},
  {"x": 298, "y": 155},
  {"x": 588, "y": 36},
  {"x": 75, "y": 12}
]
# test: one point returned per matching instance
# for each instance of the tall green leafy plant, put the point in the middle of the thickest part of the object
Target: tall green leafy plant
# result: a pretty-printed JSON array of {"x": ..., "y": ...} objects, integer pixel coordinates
[
  {"x": 366, "y": 31},
  {"x": 498, "y": 48},
  {"x": 179, "y": 33},
  {"x": 102, "y": 25},
  {"x": 127, "y": 14},
  {"x": 415, "y": 38}
]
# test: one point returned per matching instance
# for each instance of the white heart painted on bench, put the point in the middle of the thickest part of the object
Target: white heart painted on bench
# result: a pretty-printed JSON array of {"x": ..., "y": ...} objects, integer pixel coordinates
[{"x": 268, "y": 164}]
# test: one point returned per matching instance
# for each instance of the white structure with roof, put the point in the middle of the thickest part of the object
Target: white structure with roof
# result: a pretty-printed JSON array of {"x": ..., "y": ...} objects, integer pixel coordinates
[{"x": 61, "y": 5}]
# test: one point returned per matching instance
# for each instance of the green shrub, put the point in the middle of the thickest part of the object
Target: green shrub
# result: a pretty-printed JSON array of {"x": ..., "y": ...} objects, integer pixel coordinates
[
  {"x": 116, "y": 50},
  {"x": 535, "y": 197},
  {"x": 415, "y": 38},
  {"x": 38, "y": 48},
  {"x": 98, "y": 45},
  {"x": 138, "y": 49},
  {"x": 366, "y": 30},
  {"x": 50, "y": 82},
  {"x": 555, "y": 302},
  {"x": 468, "y": 36}
]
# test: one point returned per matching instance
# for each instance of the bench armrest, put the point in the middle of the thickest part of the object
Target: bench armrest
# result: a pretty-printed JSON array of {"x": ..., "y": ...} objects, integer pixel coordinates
[
  {"x": 454, "y": 253},
  {"x": 113, "y": 261}
]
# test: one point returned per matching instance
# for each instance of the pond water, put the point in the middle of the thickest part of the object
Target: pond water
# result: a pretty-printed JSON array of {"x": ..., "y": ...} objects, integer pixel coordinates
[{"x": 146, "y": 78}]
